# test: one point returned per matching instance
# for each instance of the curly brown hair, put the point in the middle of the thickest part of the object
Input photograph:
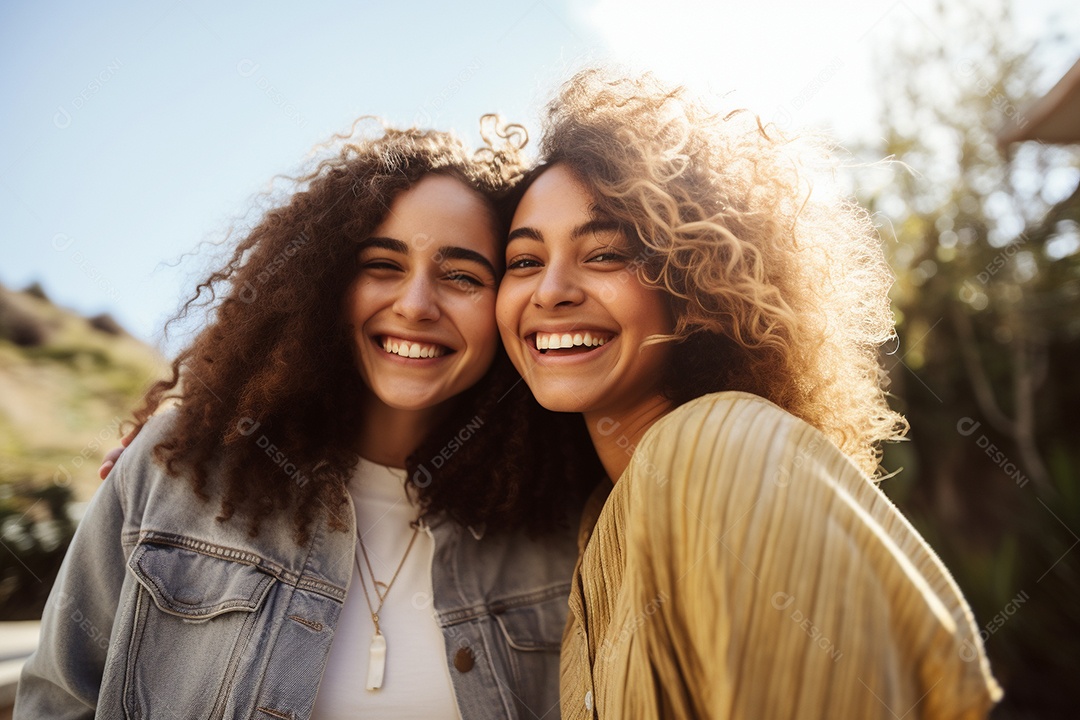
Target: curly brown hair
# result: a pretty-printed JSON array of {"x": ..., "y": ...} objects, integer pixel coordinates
[
  {"x": 277, "y": 355},
  {"x": 778, "y": 283}
]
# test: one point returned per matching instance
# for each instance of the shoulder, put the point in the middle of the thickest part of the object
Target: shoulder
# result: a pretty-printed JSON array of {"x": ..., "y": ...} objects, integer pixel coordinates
[
  {"x": 139, "y": 479},
  {"x": 721, "y": 416},
  {"x": 156, "y": 430},
  {"x": 137, "y": 461},
  {"x": 754, "y": 500},
  {"x": 732, "y": 432},
  {"x": 734, "y": 452}
]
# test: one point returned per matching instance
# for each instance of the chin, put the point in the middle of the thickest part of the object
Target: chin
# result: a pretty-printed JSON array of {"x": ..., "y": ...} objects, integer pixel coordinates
[
  {"x": 409, "y": 401},
  {"x": 561, "y": 402}
]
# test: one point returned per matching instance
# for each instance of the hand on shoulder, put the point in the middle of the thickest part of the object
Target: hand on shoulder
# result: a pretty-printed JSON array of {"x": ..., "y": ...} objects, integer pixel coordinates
[{"x": 113, "y": 455}]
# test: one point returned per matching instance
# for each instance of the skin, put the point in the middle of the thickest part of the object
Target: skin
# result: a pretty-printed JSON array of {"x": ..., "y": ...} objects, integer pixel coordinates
[
  {"x": 571, "y": 272},
  {"x": 426, "y": 283},
  {"x": 113, "y": 455}
]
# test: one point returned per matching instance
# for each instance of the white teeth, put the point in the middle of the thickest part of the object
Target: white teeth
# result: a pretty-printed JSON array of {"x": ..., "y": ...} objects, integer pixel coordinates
[
  {"x": 407, "y": 349},
  {"x": 556, "y": 341}
]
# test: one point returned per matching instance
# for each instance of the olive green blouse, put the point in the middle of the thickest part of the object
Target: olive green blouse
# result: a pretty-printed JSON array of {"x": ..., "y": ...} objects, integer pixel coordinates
[{"x": 743, "y": 567}]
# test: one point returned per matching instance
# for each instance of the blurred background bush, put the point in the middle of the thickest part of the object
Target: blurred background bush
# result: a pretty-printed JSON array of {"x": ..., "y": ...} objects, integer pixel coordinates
[
  {"x": 67, "y": 384},
  {"x": 980, "y": 215}
]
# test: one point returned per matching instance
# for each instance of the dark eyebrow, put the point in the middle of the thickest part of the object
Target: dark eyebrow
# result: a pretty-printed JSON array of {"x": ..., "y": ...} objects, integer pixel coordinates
[
  {"x": 453, "y": 252},
  {"x": 524, "y": 232},
  {"x": 596, "y": 226},
  {"x": 385, "y": 243}
]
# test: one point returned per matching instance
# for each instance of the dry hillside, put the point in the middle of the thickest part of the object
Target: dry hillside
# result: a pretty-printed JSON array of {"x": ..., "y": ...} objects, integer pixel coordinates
[{"x": 66, "y": 385}]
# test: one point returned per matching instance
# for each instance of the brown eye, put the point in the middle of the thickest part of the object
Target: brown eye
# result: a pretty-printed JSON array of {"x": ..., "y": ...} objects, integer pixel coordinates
[
  {"x": 608, "y": 256},
  {"x": 523, "y": 263},
  {"x": 364, "y": 261},
  {"x": 460, "y": 278}
]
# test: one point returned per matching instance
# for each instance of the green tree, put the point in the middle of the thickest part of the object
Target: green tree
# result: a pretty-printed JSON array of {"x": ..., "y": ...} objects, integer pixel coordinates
[{"x": 984, "y": 243}]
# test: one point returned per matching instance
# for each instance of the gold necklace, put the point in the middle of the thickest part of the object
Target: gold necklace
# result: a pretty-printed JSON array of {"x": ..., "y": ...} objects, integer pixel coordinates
[{"x": 377, "y": 653}]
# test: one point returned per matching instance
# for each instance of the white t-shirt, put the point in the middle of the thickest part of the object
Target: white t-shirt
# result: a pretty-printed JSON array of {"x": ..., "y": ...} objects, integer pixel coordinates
[{"x": 417, "y": 681}]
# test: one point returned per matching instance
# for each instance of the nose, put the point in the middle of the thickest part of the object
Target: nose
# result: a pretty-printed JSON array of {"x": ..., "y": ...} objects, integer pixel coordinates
[
  {"x": 418, "y": 299},
  {"x": 558, "y": 285}
]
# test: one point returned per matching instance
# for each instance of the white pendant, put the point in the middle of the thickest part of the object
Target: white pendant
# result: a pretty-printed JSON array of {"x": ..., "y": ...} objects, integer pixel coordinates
[{"x": 376, "y": 662}]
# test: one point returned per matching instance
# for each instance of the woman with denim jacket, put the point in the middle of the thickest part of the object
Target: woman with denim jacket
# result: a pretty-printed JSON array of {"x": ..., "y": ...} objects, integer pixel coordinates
[{"x": 258, "y": 553}]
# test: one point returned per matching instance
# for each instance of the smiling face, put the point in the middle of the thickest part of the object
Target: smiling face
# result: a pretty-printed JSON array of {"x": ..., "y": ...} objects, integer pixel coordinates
[
  {"x": 572, "y": 312},
  {"x": 422, "y": 307}
]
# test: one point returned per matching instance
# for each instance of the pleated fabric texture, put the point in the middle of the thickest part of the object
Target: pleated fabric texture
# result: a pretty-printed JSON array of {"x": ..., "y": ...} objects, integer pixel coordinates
[{"x": 743, "y": 567}]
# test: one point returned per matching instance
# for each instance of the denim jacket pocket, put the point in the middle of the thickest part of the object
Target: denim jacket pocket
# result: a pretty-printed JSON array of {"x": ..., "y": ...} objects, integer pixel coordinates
[
  {"x": 534, "y": 628},
  {"x": 194, "y": 615},
  {"x": 533, "y": 635}
]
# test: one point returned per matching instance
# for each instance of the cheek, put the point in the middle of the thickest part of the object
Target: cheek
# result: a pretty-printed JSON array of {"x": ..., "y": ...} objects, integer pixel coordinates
[
  {"x": 363, "y": 300},
  {"x": 475, "y": 318},
  {"x": 487, "y": 336},
  {"x": 651, "y": 311},
  {"x": 514, "y": 294},
  {"x": 504, "y": 308},
  {"x": 661, "y": 304},
  {"x": 609, "y": 288},
  {"x": 508, "y": 313},
  {"x": 353, "y": 305}
]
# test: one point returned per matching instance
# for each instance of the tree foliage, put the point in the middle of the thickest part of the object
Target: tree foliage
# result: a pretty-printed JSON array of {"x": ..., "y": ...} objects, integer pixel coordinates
[{"x": 984, "y": 241}]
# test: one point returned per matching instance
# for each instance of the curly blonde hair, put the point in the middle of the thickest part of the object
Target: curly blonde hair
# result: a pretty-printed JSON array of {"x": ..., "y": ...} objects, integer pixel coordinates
[{"x": 779, "y": 284}]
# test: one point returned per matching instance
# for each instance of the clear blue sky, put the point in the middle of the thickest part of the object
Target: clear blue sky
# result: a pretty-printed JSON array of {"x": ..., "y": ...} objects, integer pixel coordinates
[{"x": 132, "y": 131}]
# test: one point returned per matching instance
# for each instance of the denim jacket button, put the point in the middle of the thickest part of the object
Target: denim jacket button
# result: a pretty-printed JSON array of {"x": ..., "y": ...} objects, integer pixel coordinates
[{"x": 464, "y": 660}]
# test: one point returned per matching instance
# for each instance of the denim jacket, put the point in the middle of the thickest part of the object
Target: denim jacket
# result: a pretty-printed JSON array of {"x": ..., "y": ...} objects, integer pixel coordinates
[{"x": 160, "y": 611}]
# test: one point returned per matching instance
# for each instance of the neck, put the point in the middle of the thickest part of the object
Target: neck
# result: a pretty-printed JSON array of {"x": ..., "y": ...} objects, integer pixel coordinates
[
  {"x": 616, "y": 435},
  {"x": 389, "y": 435}
]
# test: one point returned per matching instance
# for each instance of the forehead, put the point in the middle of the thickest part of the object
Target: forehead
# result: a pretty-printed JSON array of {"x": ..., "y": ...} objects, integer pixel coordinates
[
  {"x": 556, "y": 199},
  {"x": 440, "y": 211}
]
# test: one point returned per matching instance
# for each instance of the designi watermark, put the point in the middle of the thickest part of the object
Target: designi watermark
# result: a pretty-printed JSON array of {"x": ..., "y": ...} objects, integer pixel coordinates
[
  {"x": 422, "y": 476},
  {"x": 783, "y": 601},
  {"x": 248, "y": 427}
]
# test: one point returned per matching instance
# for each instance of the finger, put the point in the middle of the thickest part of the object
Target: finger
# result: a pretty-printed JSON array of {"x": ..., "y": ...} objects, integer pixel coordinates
[
  {"x": 110, "y": 460},
  {"x": 112, "y": 455}
]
